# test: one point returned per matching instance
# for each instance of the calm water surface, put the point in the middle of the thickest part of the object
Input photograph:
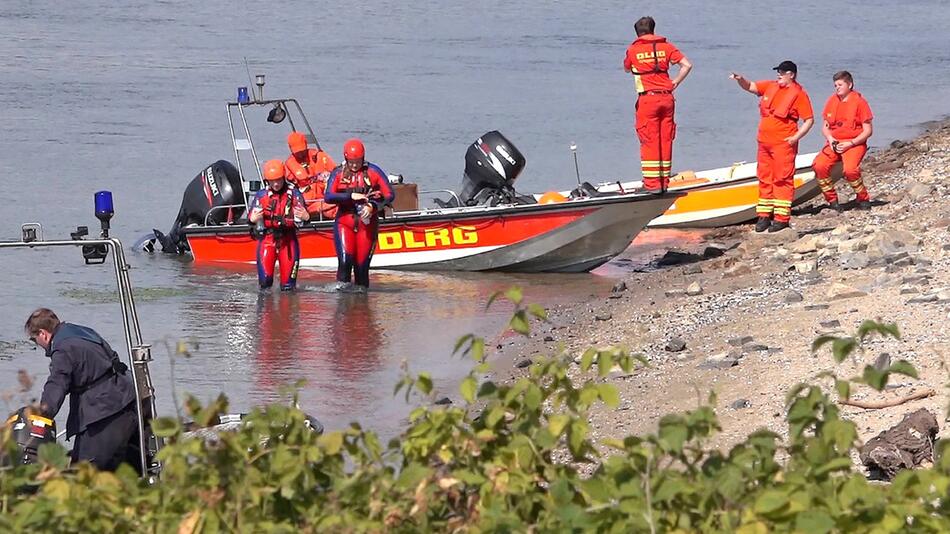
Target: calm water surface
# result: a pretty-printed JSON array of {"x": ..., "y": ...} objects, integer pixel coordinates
[{"x": 131, "y": 97}]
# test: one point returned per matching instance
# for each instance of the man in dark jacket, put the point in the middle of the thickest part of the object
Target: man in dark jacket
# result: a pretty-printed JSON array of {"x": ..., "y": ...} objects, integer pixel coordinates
[{"x": 102, "y": 412}]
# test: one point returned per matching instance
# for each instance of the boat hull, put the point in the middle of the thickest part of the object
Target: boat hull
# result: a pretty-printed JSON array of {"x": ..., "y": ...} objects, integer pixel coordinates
[{"x": 574, "y": 236}]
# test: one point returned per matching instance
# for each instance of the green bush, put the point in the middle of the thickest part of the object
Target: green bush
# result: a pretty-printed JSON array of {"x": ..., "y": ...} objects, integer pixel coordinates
[{"x": 508, "y": 460}]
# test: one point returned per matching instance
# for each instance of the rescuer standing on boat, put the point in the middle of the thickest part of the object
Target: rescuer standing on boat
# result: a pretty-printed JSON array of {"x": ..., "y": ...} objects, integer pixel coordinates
[
  {"x": 273, "y": 212},
  {"x": 360, "y": 189},
  {"x": 102, "y": 411},
  {"x": 782, "y": 104},
  {"x": 649, "y": 59},
  {"x": 307, "y": 169},
  {"x": 846, "y": 127}
]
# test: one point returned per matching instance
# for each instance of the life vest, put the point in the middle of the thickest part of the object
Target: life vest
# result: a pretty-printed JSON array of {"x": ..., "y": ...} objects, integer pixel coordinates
[
  {"x": 841, "y": 115},
  {"x": 304, "y": 174},
  {"x": 358, "y": 182},
  {"x": 651, "y": 42},
  {"x": 278, "y": 208},
  {"x": 779, "y": 107}
]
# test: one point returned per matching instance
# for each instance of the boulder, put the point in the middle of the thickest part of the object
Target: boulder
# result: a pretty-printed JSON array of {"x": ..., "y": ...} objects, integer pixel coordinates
[
  {"x": 803, "y": 267},
  {"x": 675, "y": 345},
  {"x": 808, "y": 243},
  {"x": 694, "y": 289},
  {"x": 904, "y": 446},
  {"x": 852, "y": 245},
  {"x": 692, "y": 268},
  {"x": 854, "y": 260},
  {"x": 792, "y": 297},
  {"x": 918, "y": 192},
  {"x": 839, "y": 291},
  {"x": 884, "y": 243}
]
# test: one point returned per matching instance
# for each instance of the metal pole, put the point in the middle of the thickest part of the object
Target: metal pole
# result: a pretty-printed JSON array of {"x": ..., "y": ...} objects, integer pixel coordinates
[{"x": 577, "y": 171}]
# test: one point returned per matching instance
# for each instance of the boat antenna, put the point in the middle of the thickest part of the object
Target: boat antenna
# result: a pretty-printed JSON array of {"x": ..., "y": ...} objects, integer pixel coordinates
[
  {"x": 577, "y": 171},
  {"x": 250, "y": 81}
]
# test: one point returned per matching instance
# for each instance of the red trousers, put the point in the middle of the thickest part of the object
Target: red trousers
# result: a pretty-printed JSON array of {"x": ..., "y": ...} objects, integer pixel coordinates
[
  {"x": 776, "y": 172},
  {"x": 851, "y": 161},
  {"x": 656, "y": 130},
  {"x": 355, "y": 243},
  {"x": 280, "y": 247}
]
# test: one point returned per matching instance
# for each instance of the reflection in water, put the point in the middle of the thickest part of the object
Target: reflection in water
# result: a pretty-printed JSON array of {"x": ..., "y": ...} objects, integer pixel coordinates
[{"x": 329, "y": 340}]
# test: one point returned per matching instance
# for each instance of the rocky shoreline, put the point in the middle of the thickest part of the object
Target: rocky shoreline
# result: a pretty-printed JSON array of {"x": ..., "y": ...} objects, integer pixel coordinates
[{"x": 736, "y": 314}]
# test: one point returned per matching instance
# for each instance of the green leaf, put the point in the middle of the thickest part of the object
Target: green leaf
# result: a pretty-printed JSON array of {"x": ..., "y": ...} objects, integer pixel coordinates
[
  {"x": 467, "y": 388},
  {"x": 519, "y": 323},
  {"x": 557, "y": 423},
  {"x": 532, "y": 397},
  {"x": 166, "y": 427},
  {"x": 838, "y": 464},
  {"x": 467, "y": 338},
  {"x": 770, "y": 502},
  {"x": 53, "y": 454},
  {"x": 332, "y": 443},
  {"x": 587, "y": 359},
  {"x": 608, "y": 394},
  {"x": 514, "y": 294},
  {"x": 844, "y": 389},
  {"x": 537, "y": 311},
  {"x": 874, "y": 378},
  {"x": 814, "y": 522},
  {"x": 424, "y": 383},
  {"x": 884, "y": 329},
  {"x": 903, "y": 367},
  {"x": 842, "y": 347},
  {"x": 411, "y": 475}
]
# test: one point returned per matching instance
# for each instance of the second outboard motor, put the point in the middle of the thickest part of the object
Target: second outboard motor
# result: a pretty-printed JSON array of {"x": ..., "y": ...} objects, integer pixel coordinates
[
  {"x": 30, "y": 430},
  {"x": 492, "y": 163},
  {"x": 219, "y": 184}
]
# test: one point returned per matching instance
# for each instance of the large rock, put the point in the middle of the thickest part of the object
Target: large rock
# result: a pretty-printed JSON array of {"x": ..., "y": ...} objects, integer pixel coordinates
[
  {"x": 854, "y": 260},
  {"x": 842, "y": 230},
  {"x": 839, "y": 291},
  {"x": 808, "y": 243},
  {"x": 891, "y": 241},
  {"x": 918, "y": 192},
  {"x": 852, "y": 245},
  {"x": 904, "y": 446},
  {"x": 805, "y": 266},
  {"x": 694, "y": 289}
]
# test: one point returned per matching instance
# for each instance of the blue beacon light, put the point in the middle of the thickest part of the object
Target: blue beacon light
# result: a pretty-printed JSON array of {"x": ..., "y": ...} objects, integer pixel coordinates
[
  {"x": 243, "y": 98},
  {"x": 104, "y": 210}
]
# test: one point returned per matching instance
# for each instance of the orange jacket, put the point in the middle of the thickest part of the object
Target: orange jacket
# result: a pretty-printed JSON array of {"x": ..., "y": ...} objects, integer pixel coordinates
[
  {"x": 845, "y": 117},
  {"x": 781, "y": 108},
  {"x": 304, "y": 172},
  {"x": 649, "y": 59}
]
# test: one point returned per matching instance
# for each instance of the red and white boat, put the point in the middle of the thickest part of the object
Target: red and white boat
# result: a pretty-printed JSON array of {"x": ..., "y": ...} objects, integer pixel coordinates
[
  {"x": 487, "y": 227},
  {"x": 573, "y": 236},
  {"x": 723, "y": 196}
]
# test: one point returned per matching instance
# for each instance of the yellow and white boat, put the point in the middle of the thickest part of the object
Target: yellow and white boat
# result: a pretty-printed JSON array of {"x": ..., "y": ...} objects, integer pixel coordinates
[{"x": 723, "y": 196}]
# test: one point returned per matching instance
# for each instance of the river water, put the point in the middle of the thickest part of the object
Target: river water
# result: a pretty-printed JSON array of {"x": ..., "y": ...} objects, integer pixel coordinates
[{"x": 130, "y": 98}]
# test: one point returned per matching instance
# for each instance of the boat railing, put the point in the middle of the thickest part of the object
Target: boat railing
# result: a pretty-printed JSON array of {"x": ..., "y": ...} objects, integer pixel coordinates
[
  {"x": 440, "y": 191},
  {"x": 96, "y": 251},
  {"x": 225, "y": 206}
]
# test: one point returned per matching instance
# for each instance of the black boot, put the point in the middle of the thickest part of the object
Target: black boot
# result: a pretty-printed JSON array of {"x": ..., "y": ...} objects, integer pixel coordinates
[
  {"x": 864, "y": 205},
  {"x": 777, "y": 226},
  {"x": 835, "y": 206},
  {"x": 762, "y": 224}
]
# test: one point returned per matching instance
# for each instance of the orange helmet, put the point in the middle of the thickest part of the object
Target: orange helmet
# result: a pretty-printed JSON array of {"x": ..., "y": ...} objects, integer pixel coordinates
[
  {"x": 552, "y": 197},
  {"x": 353, "y": 149},
  {"x": 273, "y": 170},
  {"x": 297, "y": 142}
]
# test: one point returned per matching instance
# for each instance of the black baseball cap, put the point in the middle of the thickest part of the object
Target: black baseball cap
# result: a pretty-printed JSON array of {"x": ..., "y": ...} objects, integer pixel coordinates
[{"x": 786, "y": 66}]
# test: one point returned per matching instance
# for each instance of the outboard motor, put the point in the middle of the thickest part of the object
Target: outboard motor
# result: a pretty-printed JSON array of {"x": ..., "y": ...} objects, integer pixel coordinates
[
  {"x": 219, "y": 184},
  {"x": 492, "y": 163},
  {"x": 30, "y": 430}
]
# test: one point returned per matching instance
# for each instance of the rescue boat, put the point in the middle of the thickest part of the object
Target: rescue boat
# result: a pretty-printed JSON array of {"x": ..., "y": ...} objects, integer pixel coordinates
[
  {"x": 486, "y": 226},
  {"x": 723, "y": 196}
]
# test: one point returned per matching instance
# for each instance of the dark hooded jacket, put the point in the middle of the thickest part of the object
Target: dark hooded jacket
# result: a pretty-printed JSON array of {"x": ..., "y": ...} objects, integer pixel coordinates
[{"x": 83, "y": 365}]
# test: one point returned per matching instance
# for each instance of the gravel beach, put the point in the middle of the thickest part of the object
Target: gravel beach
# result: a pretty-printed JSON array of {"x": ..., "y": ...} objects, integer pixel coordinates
[{"x": 736, "y": 315}]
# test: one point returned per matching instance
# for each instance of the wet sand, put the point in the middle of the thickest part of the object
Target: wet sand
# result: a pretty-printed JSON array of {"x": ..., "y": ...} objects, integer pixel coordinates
[{"x": 745, "y": 327}]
